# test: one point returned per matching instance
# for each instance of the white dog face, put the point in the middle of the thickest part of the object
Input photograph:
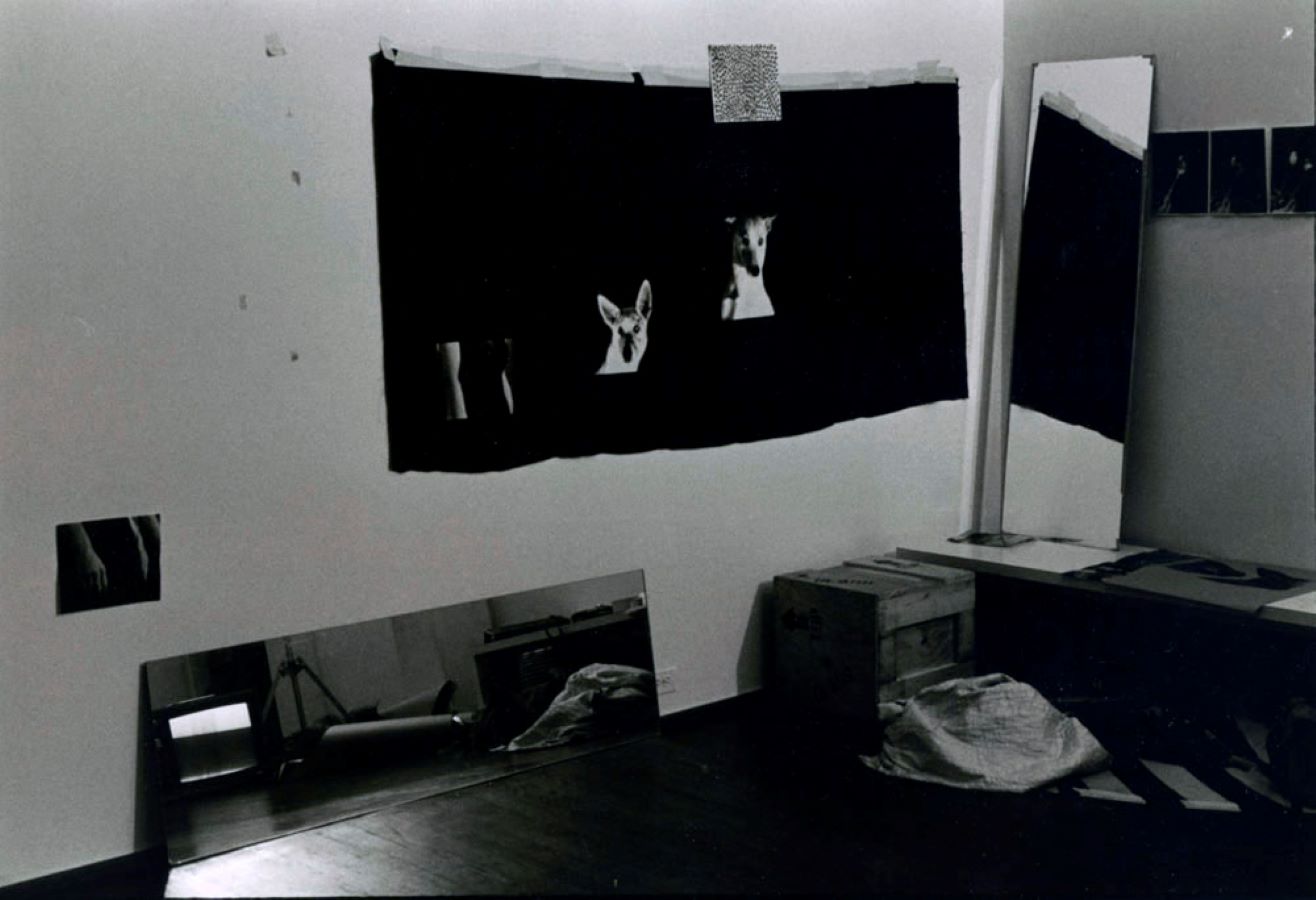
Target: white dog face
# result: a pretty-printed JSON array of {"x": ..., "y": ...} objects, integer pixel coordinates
[
  {"x": 749, "y": 241},
  {"x": 629, "y": 327}
]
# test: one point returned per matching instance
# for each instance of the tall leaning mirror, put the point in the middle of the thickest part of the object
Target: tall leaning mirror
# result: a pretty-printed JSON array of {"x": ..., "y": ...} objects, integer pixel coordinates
[{"x": 1079, "y": 260}]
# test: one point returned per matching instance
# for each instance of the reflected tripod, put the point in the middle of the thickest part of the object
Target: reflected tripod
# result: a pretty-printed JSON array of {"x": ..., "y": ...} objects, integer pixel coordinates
[{"x": 291, "y": 668}]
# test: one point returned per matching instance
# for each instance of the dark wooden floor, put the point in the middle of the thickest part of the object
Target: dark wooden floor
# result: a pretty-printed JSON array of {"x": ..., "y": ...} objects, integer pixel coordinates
[{"x": 745, "y": 804}]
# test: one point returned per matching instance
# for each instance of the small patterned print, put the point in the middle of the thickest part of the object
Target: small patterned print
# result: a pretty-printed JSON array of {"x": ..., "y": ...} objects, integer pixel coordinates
[{"x": 744, "y": 82}]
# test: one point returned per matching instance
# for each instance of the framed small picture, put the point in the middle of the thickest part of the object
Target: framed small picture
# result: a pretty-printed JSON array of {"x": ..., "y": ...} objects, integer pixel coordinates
[
  {"x": 107, "y": 562},
  {"x": 1292, "y": 176},
  {"x": 1238, "y": 172},
  {"x": 1179, "y": 173}
]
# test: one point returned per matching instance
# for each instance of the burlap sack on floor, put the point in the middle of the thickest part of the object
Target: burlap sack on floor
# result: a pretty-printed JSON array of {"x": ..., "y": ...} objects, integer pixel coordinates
[{"x": 990, "y": 733}]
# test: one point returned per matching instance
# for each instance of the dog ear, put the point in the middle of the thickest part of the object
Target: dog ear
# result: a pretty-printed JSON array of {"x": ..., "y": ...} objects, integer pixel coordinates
[
  {"x": 644, "y": 301},
  {"x": 730, "y": 220},
  {"x": 767, "y": 221},
  {"x": 611, "y": 314}
]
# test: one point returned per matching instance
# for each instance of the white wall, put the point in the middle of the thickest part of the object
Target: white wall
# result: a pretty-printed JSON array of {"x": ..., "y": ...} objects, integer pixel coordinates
[
  {"x": 1222, "y": 434},
  {"x": 145, "y": 185}
]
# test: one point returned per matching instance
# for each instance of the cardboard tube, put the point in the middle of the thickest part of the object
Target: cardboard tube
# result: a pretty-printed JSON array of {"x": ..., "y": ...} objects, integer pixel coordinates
[{"x": 384, "y": 741}]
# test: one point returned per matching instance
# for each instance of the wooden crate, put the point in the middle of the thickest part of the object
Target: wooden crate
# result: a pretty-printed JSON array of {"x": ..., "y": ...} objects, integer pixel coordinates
[{"x": 875, "y": 629}]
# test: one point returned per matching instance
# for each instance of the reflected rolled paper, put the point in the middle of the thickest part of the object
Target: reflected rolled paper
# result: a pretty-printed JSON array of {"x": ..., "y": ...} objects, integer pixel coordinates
[{"x": 384, "y": 741}]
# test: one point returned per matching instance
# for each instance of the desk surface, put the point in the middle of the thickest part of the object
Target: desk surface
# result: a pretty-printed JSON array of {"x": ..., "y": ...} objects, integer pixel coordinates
[
  {"x": 1047, "y": 562},
  {"x": 1030, "y": 560}
]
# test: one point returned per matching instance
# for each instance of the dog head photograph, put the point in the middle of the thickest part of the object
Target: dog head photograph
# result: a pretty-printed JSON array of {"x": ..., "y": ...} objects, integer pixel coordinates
[
  {"x": 749, "y": 242},
  {"x": 745, "y": 296},
  {"x": 629, "y": 332}
]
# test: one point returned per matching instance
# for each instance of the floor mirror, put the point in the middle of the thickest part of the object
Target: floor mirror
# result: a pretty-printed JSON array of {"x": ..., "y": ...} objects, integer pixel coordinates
[
  {"x": 1079, "y": 261},
  {"x": 271, "y": 737}
]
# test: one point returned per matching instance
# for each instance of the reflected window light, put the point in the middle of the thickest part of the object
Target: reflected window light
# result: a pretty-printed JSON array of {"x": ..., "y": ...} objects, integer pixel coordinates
[{"x": 213, "y": 742}]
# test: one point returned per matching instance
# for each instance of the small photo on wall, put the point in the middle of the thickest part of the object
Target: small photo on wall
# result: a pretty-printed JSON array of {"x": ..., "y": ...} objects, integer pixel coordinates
[
  {"x": 107, "y": 562},
  {"x": 1292, "y": 177},
  {"x": 1179, "y": 173},
  {"x": 1238, "y": 172}
]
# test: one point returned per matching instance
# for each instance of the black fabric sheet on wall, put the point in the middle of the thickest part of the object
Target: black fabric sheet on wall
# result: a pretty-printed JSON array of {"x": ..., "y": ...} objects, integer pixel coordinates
[
  {"x": 1078, "y": 277},
  {"x": 508, "y": 204}
]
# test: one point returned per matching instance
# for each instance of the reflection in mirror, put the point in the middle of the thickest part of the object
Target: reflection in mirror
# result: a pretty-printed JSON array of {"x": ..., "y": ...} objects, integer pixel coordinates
[
  {"x": 1078, "y": 287},
  {"x": 268, "y": 738}
]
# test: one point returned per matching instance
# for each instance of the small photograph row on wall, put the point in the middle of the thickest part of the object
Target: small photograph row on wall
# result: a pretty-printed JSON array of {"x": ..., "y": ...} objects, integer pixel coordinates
[{"x": 1251, "y": 171}]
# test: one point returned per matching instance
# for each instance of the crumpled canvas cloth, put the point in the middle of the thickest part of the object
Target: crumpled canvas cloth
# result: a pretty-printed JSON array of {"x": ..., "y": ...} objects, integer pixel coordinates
[
  {"x": 988, "y": 733},
  {"x": 594, "y": 700}
]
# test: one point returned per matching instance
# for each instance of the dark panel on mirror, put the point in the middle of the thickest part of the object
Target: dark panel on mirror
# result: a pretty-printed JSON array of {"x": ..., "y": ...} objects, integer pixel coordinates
[{"x": 1073, "y": 339}]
